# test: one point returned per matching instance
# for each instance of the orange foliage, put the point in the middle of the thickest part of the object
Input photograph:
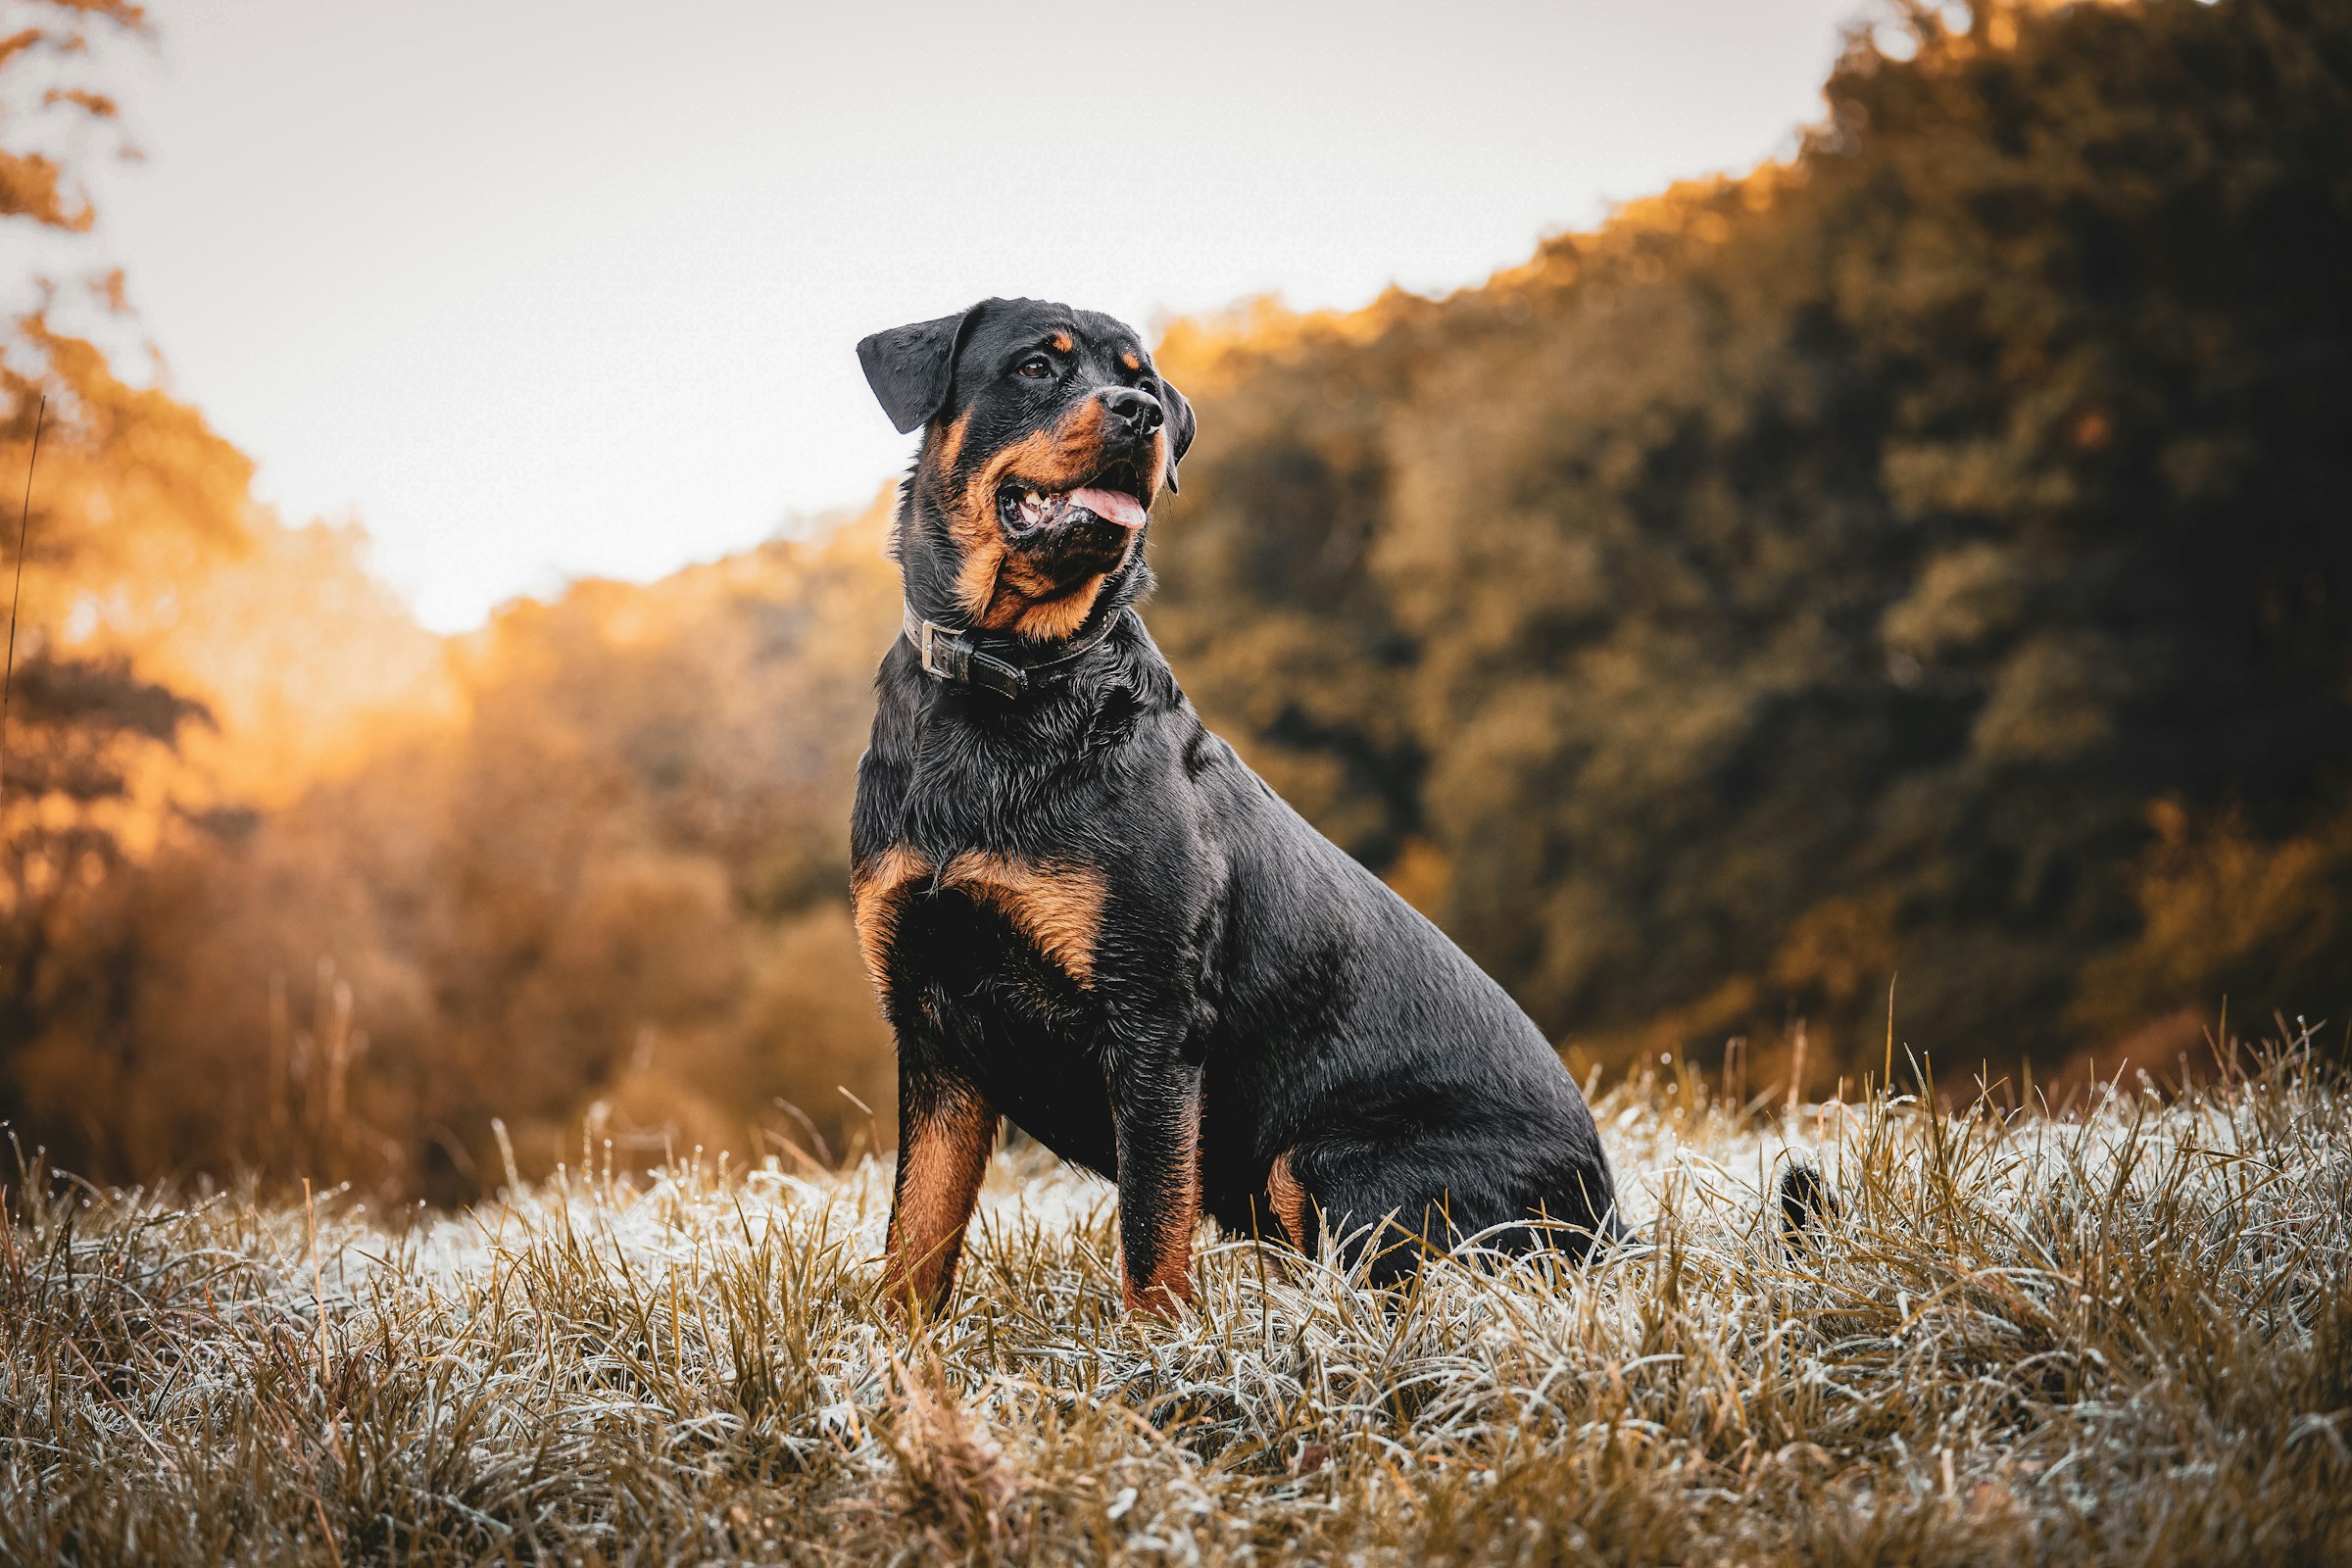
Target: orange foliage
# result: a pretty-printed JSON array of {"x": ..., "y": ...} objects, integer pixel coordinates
[{"x": 1797, "y": 578}]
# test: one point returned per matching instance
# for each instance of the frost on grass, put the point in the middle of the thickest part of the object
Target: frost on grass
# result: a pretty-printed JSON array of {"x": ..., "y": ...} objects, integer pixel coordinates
[{"x": 2125, "y": 1336}]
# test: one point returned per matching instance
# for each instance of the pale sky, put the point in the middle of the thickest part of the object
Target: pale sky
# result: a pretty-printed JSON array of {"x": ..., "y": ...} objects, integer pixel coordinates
[{"x": 540, "y": 290}]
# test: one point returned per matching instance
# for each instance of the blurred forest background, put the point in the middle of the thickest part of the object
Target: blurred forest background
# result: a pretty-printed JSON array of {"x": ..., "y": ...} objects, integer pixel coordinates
[{"x": 1928, "y": 556}]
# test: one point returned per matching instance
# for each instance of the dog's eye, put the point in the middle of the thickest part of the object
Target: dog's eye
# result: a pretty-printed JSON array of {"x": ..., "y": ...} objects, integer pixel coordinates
[{"x": 1036, "y": 368}]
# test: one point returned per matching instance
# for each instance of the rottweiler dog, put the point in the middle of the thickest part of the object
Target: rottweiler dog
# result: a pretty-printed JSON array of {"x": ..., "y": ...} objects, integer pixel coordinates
[{"x": 1082, "y": 911}]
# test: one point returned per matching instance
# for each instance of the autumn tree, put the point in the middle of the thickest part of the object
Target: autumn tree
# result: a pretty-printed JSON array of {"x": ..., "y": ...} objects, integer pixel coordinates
[{"x": 1922, "y": 556}]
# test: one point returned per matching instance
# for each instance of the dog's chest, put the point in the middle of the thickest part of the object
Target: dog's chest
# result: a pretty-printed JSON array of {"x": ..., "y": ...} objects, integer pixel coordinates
[
  {"x": 995, "y": 955},
  {"x": 1054, "y": 908}
]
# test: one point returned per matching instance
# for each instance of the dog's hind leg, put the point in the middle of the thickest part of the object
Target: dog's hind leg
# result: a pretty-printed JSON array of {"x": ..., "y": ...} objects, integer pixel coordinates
[{"x": 1402, "y": 1199}]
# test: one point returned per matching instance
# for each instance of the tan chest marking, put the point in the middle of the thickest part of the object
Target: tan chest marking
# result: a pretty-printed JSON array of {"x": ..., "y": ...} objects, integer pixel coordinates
[
  {"x": 1059, "y": 908},
  {"x": 878, "y": 891}
]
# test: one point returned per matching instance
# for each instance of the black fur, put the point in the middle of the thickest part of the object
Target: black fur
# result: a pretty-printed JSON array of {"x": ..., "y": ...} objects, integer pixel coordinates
[
  {"x": 1808, "y": 1204},
  {"x": 1246, "y": 976}
]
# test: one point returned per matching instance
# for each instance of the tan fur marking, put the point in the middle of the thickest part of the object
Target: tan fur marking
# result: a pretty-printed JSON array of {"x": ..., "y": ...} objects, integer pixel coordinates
[
  {"x": 1045, "y": 614},
  {"x": 877, "y": 892},
  {"x": 942, "y": 1159},
  {"x": 1133, "y": 362},
  {"x": 950, "y": 444},
  {"x": 1061, "y": 341},
  {"x": 1289, "y": 1200},
  {"x": 1051, "y": 620},
  {"x": 1059, "y": 908},
  {"x": 1155, "y": 469},
  {"x": 983, "y": 560}
]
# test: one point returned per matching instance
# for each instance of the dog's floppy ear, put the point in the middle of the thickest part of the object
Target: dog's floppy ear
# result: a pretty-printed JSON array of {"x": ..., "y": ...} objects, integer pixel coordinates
[
  {"x": 910, "y": 367},
  {"x": 1180, "y": 428}
]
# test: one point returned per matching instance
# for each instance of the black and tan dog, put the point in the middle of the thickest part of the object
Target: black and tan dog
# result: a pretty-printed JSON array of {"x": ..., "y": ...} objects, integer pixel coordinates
[{"x": 1081, "y": 910}]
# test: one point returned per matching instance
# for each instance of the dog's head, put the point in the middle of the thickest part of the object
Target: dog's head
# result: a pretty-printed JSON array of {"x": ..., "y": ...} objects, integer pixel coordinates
[{"x": 1047, "y": 436}]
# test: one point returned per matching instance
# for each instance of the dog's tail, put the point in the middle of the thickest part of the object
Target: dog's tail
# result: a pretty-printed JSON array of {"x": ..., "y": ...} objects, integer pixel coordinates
[{"x": 1806, "y": 1206}]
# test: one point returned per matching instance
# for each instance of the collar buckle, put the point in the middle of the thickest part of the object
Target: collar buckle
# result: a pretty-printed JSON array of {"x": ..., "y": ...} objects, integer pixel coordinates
[
  {"x": 923, "y": 646},
  {"x": 947, "y": 655}
]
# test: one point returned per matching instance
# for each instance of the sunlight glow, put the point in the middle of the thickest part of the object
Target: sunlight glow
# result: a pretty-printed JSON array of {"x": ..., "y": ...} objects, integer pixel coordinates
[{"x": 534, "y": 293}]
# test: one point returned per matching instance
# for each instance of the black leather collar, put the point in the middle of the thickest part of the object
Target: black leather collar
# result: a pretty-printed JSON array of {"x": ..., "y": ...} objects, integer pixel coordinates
[{"x": 1004, "y": 667}]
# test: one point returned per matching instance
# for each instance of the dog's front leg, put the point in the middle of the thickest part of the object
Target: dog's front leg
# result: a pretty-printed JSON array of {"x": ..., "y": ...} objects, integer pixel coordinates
[
  {"x": 1155, "y": 1104},
  {"x": 945, "y": 1130}
]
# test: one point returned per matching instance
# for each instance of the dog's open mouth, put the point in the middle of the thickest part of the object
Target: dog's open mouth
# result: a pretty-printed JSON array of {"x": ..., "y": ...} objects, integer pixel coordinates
[{"x": 1115, "y": 495}]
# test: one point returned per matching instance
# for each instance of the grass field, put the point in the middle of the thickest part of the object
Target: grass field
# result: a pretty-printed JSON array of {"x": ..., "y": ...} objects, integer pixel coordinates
[{"x": 2122, "y": 1336}]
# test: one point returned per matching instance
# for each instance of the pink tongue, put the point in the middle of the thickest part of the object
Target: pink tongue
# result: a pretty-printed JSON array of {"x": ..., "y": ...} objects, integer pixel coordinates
[{"x": 1111, "y": 506}]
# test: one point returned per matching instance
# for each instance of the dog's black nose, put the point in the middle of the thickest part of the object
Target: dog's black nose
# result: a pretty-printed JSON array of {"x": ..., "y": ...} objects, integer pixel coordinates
[{"x": 1141, "y": 409}]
